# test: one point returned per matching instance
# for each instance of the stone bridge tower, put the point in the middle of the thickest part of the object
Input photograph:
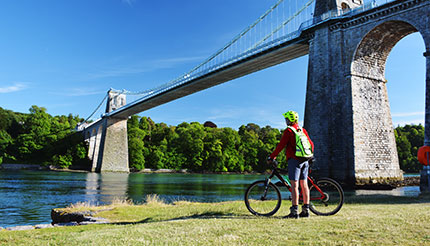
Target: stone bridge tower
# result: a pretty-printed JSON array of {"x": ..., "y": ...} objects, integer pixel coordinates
[
  {"x": 327, "y": 6},
  {"x": 347, "y": 109},
  {"x": 115, "y": 100},
  {"x": 107, "y": 138}
]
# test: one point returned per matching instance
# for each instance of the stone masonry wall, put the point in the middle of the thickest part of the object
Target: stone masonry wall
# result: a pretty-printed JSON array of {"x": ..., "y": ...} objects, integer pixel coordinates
[
  {"x": 113, "y": 155},
  {"x": 347, "y": 109}
]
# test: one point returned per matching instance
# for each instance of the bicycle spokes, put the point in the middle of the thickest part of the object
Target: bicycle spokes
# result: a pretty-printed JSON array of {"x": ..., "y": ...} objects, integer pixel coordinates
[
  {"x": 326, "y": 197},
  {"x": 263, "y": 198}
]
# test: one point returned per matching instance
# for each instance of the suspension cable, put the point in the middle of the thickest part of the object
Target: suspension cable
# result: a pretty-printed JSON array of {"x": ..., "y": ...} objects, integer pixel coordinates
[
  {"x": 282, "y": 24},
  {"x": 86, "y": 120}
]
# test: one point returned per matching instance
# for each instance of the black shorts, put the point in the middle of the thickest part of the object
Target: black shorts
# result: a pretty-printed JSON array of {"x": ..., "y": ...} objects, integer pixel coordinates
[{"x": 297, "y": 170}]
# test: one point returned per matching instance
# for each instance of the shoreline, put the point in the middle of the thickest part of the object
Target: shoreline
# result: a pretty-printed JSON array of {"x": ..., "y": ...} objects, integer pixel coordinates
[{"x": 407, "y": 181}]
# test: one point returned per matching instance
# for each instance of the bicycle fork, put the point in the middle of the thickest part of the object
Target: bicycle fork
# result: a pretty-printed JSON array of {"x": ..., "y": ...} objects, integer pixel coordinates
[{"x": 266, "y": 187}]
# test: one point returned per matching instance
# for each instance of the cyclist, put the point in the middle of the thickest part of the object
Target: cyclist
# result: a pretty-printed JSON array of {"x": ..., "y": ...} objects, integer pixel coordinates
[{"x": 298, "y": 164}]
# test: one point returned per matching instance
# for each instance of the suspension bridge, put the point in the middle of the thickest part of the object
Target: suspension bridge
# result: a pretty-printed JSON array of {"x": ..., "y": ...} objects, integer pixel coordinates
[
  {"x": 347, "y": 41},
  {"x": 277, "y": 36}
]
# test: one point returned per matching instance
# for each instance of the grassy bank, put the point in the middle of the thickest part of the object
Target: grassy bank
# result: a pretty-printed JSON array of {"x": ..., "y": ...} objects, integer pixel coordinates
[{"x": 364, "y": 220}]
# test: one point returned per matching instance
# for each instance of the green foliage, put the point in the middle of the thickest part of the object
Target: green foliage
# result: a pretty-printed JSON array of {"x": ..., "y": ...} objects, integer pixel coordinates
[
  {"x": 195, "y": 147},
  {"x": 39, "y": 138},
  {"x": 409, "y": 139},
  {"x": 5, "y": 142},
  {"x": 63, "y": 161}
]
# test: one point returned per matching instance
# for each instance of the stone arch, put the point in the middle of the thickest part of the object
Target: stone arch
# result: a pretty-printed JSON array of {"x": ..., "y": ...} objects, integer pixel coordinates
[
  {"x": 371, "y": 54},
  {"x": 374, "y": 141}
]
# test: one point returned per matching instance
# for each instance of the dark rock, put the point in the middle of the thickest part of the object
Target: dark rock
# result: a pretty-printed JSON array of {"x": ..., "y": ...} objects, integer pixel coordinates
[{"x": 60, "y": 216}]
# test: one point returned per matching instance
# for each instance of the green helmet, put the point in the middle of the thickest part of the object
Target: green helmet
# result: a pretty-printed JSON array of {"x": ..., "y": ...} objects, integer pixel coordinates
[{"x": 292, "y": 116}]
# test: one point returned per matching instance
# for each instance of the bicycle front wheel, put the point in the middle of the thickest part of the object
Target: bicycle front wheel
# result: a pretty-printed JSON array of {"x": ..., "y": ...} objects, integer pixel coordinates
[
  {"x": 262, "y": 199},
  {"x": 326, "y": 197}
]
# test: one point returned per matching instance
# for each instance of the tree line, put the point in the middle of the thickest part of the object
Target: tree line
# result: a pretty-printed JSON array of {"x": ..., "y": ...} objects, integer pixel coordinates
[
  {"x": 39, "y": 138},
  {"x": 195, "y": 147}
]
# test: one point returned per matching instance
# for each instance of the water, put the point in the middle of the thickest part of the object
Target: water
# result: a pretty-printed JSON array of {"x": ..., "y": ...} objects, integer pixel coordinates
[{"x": 27, "y": 197}]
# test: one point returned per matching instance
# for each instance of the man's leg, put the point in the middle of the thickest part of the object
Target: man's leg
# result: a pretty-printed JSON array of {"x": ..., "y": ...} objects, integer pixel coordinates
[
  {"x": 294, "y": 192},
  {"x": 293, "y": 174},
  {"x": 304, "y": 188},
  {"x": 294, "y": 209},
  {"x": 305, "y": 191},
  {"x": 305, "y": 195}
]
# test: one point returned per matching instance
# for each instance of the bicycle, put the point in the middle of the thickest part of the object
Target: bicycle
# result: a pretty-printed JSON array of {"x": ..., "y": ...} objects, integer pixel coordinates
[{"x": 263, "y": 198}]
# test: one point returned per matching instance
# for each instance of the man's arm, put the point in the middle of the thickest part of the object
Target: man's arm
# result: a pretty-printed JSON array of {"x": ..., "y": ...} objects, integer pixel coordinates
[{"x": 281, "y": 145}]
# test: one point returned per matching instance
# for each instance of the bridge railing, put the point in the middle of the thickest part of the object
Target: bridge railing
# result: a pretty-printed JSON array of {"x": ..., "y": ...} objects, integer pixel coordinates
[{"x": 300, "y": 20}]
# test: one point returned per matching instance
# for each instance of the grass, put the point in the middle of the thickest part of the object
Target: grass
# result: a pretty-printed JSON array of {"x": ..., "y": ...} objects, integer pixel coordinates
[{"x": 364, "y": 220}]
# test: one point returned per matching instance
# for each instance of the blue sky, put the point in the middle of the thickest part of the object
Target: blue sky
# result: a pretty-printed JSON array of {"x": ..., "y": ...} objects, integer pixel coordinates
[{"x": 65, "y": 55}]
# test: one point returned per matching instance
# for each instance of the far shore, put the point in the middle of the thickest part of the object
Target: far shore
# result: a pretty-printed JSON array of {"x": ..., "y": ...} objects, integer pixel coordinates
[{"x": 408, "y": 181}]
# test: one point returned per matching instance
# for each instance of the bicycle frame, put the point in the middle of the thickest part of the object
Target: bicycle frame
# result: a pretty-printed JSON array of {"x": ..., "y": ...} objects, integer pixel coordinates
[
  {"x": 277, "y": 172},
  {"x": 325, "y": 200}
]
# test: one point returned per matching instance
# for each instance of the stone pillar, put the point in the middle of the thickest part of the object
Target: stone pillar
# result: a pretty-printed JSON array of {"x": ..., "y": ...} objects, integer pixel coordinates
[
  {"x": 325, "y": 8},
  {"x": 115, "y": 100},
  {"x": 317, "y": 118},
  {"x": 375, "y": 151},
  {"x": 113, "y": 155},
  {"x": 97, "y": 142},
  {"x": 425, "y": 173}
]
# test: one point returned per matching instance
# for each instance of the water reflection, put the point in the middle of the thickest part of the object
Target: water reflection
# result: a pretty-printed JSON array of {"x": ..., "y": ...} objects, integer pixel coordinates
[
  {"x": 400, "y": 191},
  {"x": 191, "y": 187},
  {"x": 27, "y": 197},
  {"x": 105, "y": 188}
]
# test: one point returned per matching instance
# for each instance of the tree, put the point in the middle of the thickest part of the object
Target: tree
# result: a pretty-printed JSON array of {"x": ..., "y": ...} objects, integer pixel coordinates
[
  {"x": 250, "y": 148},
  {"x": 5, "y": 142},
  {"x": 408, "y": 139},
  {"x": 37, "y": 129},
  {"x": 190, "y": 144},
  {"x": 135, "y": 143},
  {"x": 213, "y": 158},
  {"x": 231, "y": 142}
]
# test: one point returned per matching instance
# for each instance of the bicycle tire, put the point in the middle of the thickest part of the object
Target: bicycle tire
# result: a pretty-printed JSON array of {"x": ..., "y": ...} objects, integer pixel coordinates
[
  {"x": 263, "y": 205},
  {"x": 333, "y": 200}
]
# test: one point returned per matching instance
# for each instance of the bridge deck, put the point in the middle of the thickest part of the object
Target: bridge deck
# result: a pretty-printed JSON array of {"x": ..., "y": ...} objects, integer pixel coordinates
[{"x": 288, "y": 51}]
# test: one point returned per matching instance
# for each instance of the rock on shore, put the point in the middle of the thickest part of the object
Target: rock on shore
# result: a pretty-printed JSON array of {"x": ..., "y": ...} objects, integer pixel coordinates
[{"x": 60, "y": 216}]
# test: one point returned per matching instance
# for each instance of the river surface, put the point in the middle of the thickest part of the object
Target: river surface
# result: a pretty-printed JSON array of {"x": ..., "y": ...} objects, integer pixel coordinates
[{"x": 27, "y": 197}]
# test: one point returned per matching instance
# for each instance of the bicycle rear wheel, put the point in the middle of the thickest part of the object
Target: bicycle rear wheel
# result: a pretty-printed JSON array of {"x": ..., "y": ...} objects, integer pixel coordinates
[
  {"x": 326, "y": 198},
  {"x": 263, "y": 200}
]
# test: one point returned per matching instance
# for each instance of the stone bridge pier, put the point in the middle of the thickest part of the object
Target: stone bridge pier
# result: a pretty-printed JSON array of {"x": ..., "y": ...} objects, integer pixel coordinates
[
  {"x": 347, "y": 109},
  {"x": 107, "y": 139}
]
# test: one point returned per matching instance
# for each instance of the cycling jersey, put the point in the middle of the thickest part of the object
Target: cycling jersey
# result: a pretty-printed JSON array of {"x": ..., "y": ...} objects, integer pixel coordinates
[{"x": 288, "y": 141}]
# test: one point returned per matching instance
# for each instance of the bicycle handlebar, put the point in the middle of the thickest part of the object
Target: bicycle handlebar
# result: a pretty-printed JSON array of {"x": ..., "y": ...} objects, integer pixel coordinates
[{"x": 273, "y": 162}]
